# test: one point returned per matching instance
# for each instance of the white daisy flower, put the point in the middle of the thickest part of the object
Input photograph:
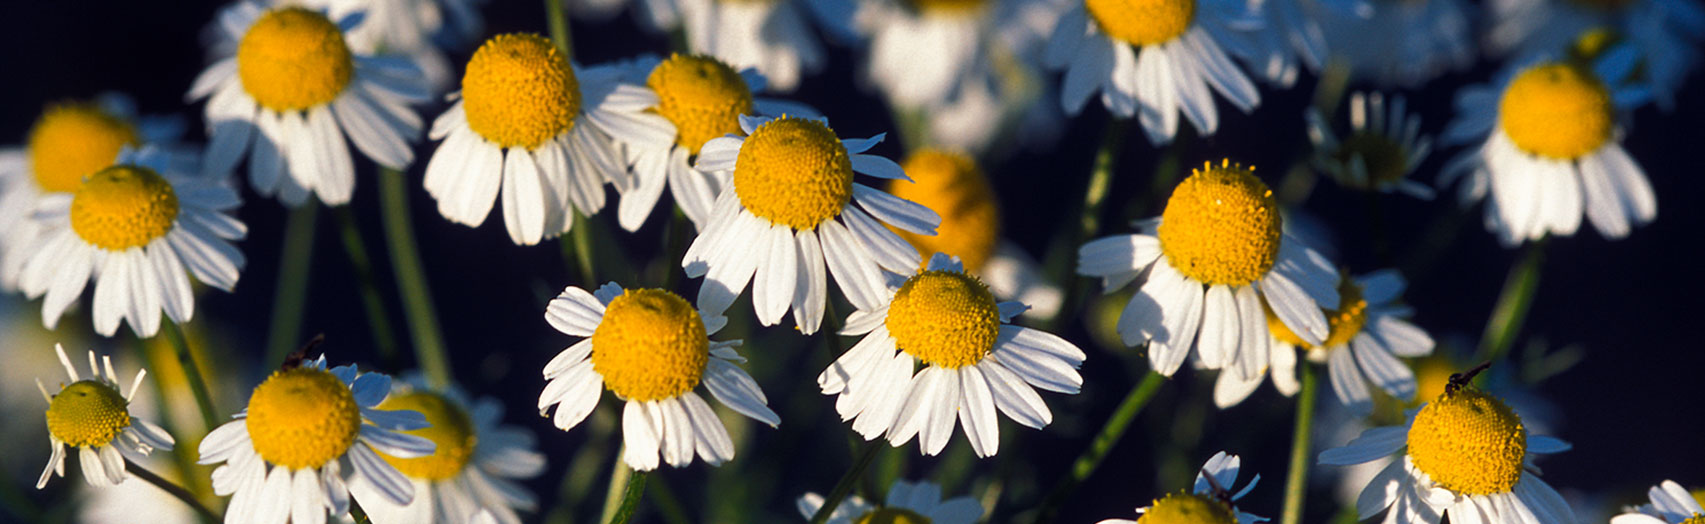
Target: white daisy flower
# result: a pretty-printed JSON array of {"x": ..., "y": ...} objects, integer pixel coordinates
[
  {"x": 538, "y": 128},
  {"x": 1156, "y": 58},
  {"x": 133, "y": 228},
  {"x": 412, "y": 28},
  {"x": 291, "y": 91},
  {"x": 922, "y": 51},
  {"x": 1210, "y": 501},
  {"x": 907, "y": 502},
  {"x": 1399, "y": 44},
  {"x": 699, "y": 98},
  {"x": 1671, "y": 504},
  {"x": 1465, "y": 453},
  {"x": 652, "y": 349},
  {"x": 792, "y": 197},
  {"x": 1213, "y": 264},
  {"x": 474, "y": 469},
  {"x": 1381, "y": 149},
  {"x": 973, "y": 364},
  {"x": 94, "y": 418},
  {"x": 1666, "y": 34},
  {"x": 772, "y": 36},
  {"x": 1368, "y": 333},
  {"x": 1551, "y": 149},
  {"x": 285, "y": 453}
]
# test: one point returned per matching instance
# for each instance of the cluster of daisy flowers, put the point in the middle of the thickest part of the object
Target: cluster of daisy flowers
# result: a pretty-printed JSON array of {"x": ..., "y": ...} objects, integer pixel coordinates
[{"x": 949, "y": 325}]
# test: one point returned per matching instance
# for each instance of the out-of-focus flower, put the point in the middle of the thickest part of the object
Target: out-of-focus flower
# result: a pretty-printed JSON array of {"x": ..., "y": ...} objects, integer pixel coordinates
[
  {"x": 1208, "y": 502},
  {"x": 907, "y": 502},
  {"x": 534, "y": 131},
  {"x": 652, "y": 349},
  {"x": 138, "y": 230},
  {"x": 418, "y": 29},
  {"x": 1665, "y": 34},
  {"x": 773, "y": 36},
  {"x": 284, "y": 454},
  {"x": 1217, "y": 260},
  {"x": 790, "y": 212},
  {"x": 921, "y": 51},
  {"x": 1290, "y": 42},
  {"x": 1552, "y": 149},
  {"x": 290, "y": 93},
  {"x": 1399, "y": 43},
  {"x": 1671, "y": 504},
  {"x": 93, "y": 417},
  {"x": 973, "y": 364},
  {"x": 1381, "y": 149}
]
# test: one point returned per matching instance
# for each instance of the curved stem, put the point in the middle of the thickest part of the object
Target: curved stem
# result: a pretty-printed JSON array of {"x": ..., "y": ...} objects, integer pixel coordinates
[
  {"x": 174, "y": 490},
  {"x": 845, "y": 485},
  {"x": 578, "y": 247},
  {"x": 626, "y": 488},
  {"x": 1514, "y": 301},
  {"x": 379, "y": 322},
  {"x": 411, "y": 279},
  {"x": 1087, "y": 462},
  {"x": 192, "y": 374},
  {"x": 291, "y": 293},
  {"x": 1296, "y": 480}
]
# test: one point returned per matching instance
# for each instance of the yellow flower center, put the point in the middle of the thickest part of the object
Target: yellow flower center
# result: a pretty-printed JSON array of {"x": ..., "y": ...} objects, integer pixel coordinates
[
  {"x": 451, "y": 429},
  {"x": 293, "y": 59},
  {"x": 1469, "y": 442},
  {"x": 519, "y": 91},
  {"x": 70, "y": 141},
  {"x": 1187, "y": 508},
  {"x": 1346, "y": 321},
  {"x": 794, "y": 172},
  {"x": 946, "y": 7},
  {"x": 945, "y": 318},
  {"x": 1385, "y": 160},
  {"x": 1143, "y": 22},
  {"x": 1592, "y": 43},
  {"x": 87, "y": 413},
  {"x": 1221, "y": 226},
  {"x": 302, "y": 418},
  {"x": 651, "y": 345},
  {"x": 1698, "y": 496},
  {"x": 892, "y": 516},
  {"x": 1557, "y": 110},
  {"x": 953, "y": 186},
  {"x": 1697, "y": 518},
  {"x": 122, "y": 207},
  {"x": 702, "y": 96}
]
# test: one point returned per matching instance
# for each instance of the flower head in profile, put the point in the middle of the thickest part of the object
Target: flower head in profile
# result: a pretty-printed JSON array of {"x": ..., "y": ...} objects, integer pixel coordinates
[
  {"x": 1671, "y": 504},
  {"x": 652, "y": 350},
  {"x": 906, "y": 503},
  {"x": 92, "y": 417},
  {"x": 1210, "y": 501},
  {"x": 1379, "y": 152}
]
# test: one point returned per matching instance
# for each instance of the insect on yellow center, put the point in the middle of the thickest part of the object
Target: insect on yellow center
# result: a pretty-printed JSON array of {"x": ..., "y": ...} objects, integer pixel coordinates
[
  {"x": 892, "y": 516},
  {"x": 88, "y": 413},
  {"x": 1469, "y": 442},
  {"x": 1346, "y": 321},
  {"x": 651, "y": 345},
  {"x": 794, "y": 172},
  {"x": 1143, "y": 22},
  {"x": 945, "y": 318},
  {"x": 302, "y": 418},
  {"x": 70, "y": 141},
  {"x": 519, "y": 91},
  {"x": 1221, "y": 226},
  {"x": 1188, "y": 508},
  {"x": 293, "y": 59},
  {"x": 1557, "y": 110},
  {"x": 122, "y": 207},
  {"x": 702, "y": 96},
  {"x": 452, "y": 430},
  {"x": 1383, "y": 158},
  {"x": 953, "y": 186}
]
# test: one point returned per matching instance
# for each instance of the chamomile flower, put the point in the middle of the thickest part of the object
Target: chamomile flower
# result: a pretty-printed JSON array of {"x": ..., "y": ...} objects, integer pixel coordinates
[
  {"x": 1210, "y": 501},
  {"x": 475, "y": 467},
  {"x": 973, "y": 363},
  {"x": 1381, "y": 149},
  {"x": 1214, "y": 263},
  {"x": 1154, "y": 59},
  {"x": 699, "y": 98},
  {"x": 1551, "y": 149},
  {"x": 1671, "y": 504},
  {"x": 1368, "y": 333},
  {"x": 955, "y": 187},
  {"x": 94, "y": 418},
  {"x": 790, "y": 213},
  {"x": 1465, "y": 455},
  {"x": 922, "y": 50},
  {"x": 290, "y": 93},
  {"x": 651, "y": 349},
  {"x": 1665, "y": 34},
  {"x": 907, "y": 502},
  {"x": 1399, "y": 43},
  {"x": 532, "y": 125},
  {"x": 773, "y": 36},
  {"x": 284, "y": 455},
  {"x": 138, "y": 230}
]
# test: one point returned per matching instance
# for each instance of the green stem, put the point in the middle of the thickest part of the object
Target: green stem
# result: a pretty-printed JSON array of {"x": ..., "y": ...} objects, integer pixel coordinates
[
  {"x": 174, "y": 490},
  {"x": 192, "y": 374},
  {"x": 579, "y": 248},
  {"x": 845, "y": 485},
  {"x": 1510, "y": 312},
  {"x": 626, "y": 488},
  {"x": 429, "y": 349},
  {"x": 1110, "y": 434},
  {"x": 559, "y": 28},
  {"x": 384, "y": 340},
  {"x": 1296, "y": 481},
  {"x": 1089, "y": 219},
  {"x": 291, "y": 293}
]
